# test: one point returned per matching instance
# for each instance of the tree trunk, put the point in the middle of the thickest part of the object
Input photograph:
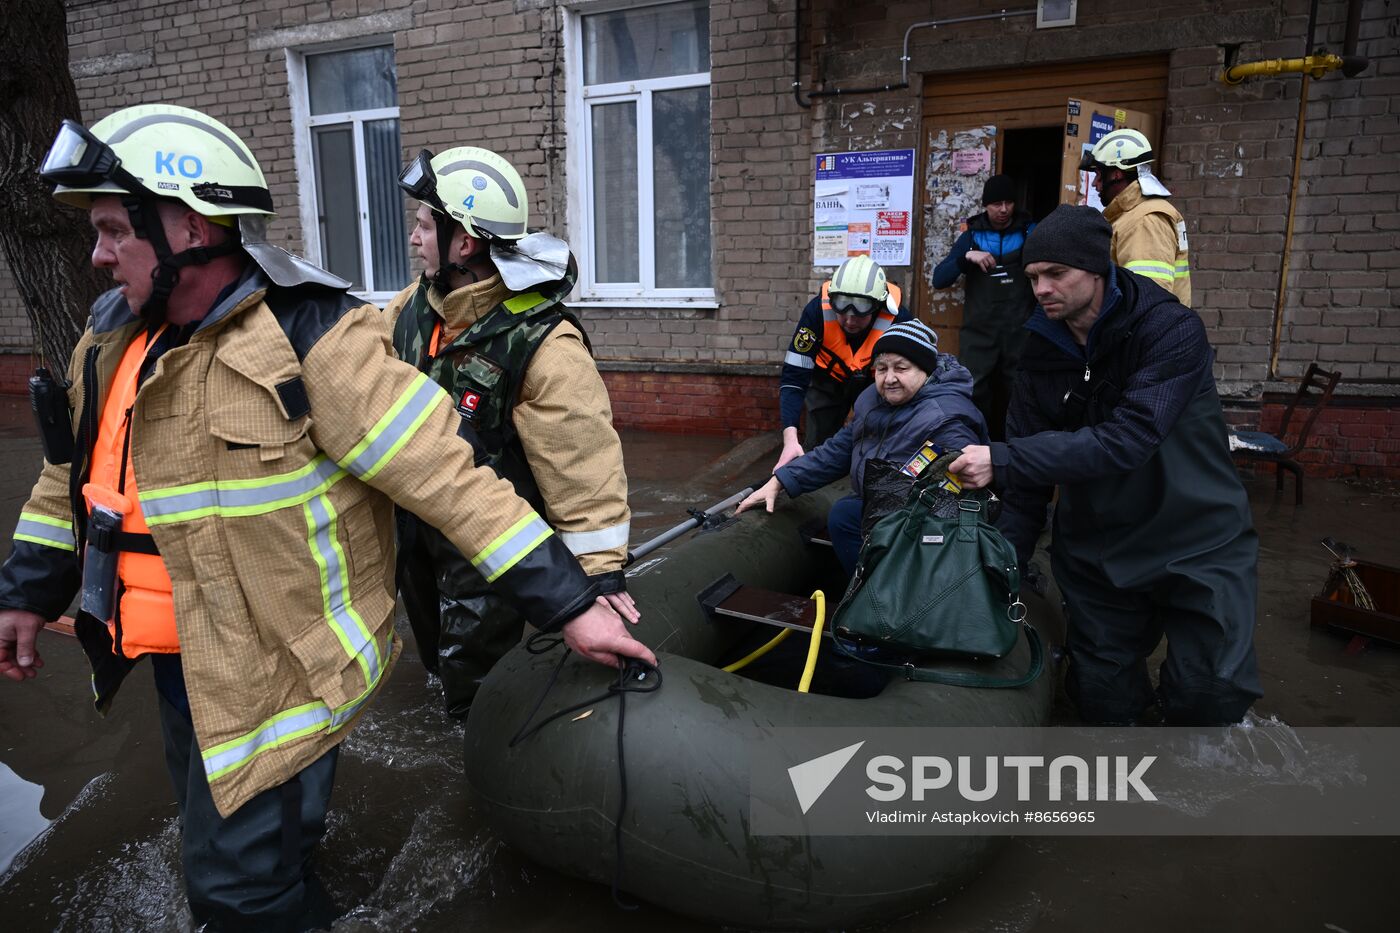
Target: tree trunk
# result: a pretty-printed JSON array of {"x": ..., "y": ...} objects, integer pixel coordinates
[{"x": 46, "y": 245}]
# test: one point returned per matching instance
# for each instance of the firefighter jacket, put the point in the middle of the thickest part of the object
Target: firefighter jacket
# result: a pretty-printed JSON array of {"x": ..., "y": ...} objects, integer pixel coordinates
[
  {"x": 269, "y": 449},
  {"x": 520, "y": 373},
  {"x": 1149, "y": 238}
]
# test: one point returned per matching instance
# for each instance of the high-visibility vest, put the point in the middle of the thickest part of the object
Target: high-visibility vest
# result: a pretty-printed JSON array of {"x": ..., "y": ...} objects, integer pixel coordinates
[
  {"x": 836, "y": 355},
  {"x": 146, "y": 613}
]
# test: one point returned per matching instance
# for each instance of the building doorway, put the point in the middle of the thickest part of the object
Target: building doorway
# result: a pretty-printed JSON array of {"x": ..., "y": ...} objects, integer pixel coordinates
[
  {"x": 1018, "y": 115},
  {"x": 1031, "y": 155}
]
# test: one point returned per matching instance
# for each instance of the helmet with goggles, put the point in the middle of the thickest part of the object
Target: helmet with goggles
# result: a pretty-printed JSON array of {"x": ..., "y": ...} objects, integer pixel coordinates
[
  {"x": 858, "y": 287},
  {"x": 161, "y": 151},
  {"x": 473, "y": 187},
  {"x": 155, "y": 152}
]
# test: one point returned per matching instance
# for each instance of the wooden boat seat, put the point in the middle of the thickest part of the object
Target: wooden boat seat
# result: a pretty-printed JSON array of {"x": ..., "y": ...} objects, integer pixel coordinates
[{"x": 730, "y": 599}]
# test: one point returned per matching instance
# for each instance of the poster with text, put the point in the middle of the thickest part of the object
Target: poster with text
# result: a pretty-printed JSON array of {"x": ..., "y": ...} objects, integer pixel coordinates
[{"x": 862, "y": 206}]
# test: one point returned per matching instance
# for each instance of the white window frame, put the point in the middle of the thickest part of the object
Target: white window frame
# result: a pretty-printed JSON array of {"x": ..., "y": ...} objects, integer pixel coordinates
[
  {"x": 305, "y": 153},
  {"x": 579, "y": 102}
]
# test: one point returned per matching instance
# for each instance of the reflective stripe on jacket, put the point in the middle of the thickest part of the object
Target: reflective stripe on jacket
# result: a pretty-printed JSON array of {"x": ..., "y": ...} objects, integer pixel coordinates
[{"x": 1149, "y": 238}]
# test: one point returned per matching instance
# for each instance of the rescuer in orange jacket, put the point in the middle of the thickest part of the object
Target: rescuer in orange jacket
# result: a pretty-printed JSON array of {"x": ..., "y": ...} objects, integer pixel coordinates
[{"x": 827, "y": 363}]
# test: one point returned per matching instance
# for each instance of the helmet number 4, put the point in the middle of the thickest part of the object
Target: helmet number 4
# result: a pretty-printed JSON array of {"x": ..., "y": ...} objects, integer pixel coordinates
[{"x": 470, "y": 202}]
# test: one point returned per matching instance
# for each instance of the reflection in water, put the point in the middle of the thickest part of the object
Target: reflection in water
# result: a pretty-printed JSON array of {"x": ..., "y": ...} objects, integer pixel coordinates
[{"x": 20, "y": 819}]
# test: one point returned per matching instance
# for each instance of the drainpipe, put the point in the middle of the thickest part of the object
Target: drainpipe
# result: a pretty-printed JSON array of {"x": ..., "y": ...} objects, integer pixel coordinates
[{"x": 1313, "y": 65}]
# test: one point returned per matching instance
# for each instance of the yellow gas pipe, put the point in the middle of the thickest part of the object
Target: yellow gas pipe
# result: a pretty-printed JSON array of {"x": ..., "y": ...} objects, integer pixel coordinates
[{"x": 1314, "y": 65}]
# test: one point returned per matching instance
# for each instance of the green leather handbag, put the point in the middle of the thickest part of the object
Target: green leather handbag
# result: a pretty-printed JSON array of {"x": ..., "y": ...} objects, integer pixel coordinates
[{"x": 927, "y": 586}]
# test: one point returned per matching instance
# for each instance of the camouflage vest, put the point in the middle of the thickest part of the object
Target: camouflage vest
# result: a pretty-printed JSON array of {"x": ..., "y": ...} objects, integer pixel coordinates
[{"x": 484, "y": 368}]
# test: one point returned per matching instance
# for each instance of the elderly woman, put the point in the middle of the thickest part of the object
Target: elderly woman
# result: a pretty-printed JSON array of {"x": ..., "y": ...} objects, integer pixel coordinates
[{"x": 919, "y": 395}]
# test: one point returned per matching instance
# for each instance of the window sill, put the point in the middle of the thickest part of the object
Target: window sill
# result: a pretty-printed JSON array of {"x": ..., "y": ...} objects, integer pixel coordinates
[{"x": 686, "y": 304}]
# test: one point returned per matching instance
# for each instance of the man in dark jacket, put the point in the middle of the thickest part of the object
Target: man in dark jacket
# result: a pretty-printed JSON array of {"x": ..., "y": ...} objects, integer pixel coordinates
[
  {"x": 997, "y": 298},
  {"x": 1116, "y": 405}
]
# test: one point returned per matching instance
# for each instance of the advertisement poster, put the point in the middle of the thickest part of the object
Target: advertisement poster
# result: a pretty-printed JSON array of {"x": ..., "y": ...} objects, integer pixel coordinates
[{"x": 862, "y": 206}]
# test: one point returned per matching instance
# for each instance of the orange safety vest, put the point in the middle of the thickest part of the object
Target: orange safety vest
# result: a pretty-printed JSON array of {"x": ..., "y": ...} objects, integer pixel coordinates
[
  {"x": 147, "y": 610},
  {"x": 836, "y": 354}
]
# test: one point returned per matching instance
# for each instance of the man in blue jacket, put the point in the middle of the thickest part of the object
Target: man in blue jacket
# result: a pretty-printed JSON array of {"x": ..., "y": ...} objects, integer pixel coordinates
[
  {"x": 997, "y": 298},
  {"x": 1115, "y": 403}
]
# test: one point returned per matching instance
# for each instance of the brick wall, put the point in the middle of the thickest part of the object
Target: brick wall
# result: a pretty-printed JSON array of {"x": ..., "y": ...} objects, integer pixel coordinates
[
  {"x": 15, "y": 333},
  {"x": 1352, "y": 438},
  {"x": 692, "y": 402},
  {"x": 1227, "y": 154},
  {"x": 493, "y": 73}
]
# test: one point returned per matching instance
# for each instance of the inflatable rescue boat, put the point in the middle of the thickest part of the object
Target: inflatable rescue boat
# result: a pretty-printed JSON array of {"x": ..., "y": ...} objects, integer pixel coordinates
[{"x": 685, "y": 842}]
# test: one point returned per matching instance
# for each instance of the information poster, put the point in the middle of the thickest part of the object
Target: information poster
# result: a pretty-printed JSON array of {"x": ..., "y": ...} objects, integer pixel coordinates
[{"x": 863, "y": 205}]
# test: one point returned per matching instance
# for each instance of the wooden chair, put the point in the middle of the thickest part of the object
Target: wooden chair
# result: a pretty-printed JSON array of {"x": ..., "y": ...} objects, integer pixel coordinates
[{"x": 1263, "y": 447}]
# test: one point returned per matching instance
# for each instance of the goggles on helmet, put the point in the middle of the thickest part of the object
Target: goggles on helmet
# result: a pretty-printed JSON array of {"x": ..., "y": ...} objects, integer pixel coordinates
[
  {"x": 419, "y": 181},
  {"x": 78, "y": 159},
  {"x": 859, "y": 305}
]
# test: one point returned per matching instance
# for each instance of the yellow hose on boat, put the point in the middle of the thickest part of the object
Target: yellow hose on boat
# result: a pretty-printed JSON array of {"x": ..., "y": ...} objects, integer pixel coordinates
[
  {"x": 757, "y": 653},
  {"x": 815, "y": 644},
  {"x": 813, "y": 647}
]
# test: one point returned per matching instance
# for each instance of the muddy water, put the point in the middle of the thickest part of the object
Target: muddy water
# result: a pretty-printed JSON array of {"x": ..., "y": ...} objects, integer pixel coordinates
[{"x": 88, "y": 826}]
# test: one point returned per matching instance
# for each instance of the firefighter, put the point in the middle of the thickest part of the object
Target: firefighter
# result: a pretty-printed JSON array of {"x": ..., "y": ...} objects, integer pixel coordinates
[
  {"x": 242, "y": 430},
  {"x": 486, "y": 321},
  {"x": 1149, "y": 233}
]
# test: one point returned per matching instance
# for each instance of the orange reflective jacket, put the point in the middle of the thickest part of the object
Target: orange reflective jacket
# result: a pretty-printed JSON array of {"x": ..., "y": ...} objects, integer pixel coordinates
[
  {"x": 836, "y": 355},
  {"x": 146, "y": 611}
]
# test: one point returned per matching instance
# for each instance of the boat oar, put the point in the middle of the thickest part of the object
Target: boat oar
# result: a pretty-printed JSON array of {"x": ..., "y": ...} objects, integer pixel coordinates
[{"x": 697, "y": 518}]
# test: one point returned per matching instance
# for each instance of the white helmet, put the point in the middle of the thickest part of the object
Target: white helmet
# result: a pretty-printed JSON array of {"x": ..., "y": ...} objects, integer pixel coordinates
[
  {"x": 159, "y": 151},
  {"x": 475, "y": 187},
  {"x": 1122, "y": 149}
]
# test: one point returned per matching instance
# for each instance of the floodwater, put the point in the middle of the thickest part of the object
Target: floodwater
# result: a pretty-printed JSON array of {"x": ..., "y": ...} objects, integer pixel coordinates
[{"x": 89, "y": 837}]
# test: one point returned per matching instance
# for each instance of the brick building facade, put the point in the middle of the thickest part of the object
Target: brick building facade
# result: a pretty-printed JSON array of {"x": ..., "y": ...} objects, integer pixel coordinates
[{"x": 511, "y": 75}]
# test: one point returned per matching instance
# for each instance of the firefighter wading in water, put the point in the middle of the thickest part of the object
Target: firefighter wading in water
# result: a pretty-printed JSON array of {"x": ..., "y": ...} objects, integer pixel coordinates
[
  {"x": 487, "y": 323},
  {"x": 242, "y": 431}
]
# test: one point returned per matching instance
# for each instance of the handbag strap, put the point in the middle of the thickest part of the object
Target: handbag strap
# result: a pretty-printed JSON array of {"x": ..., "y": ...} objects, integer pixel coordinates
[{"x": 961, "y": 678}]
